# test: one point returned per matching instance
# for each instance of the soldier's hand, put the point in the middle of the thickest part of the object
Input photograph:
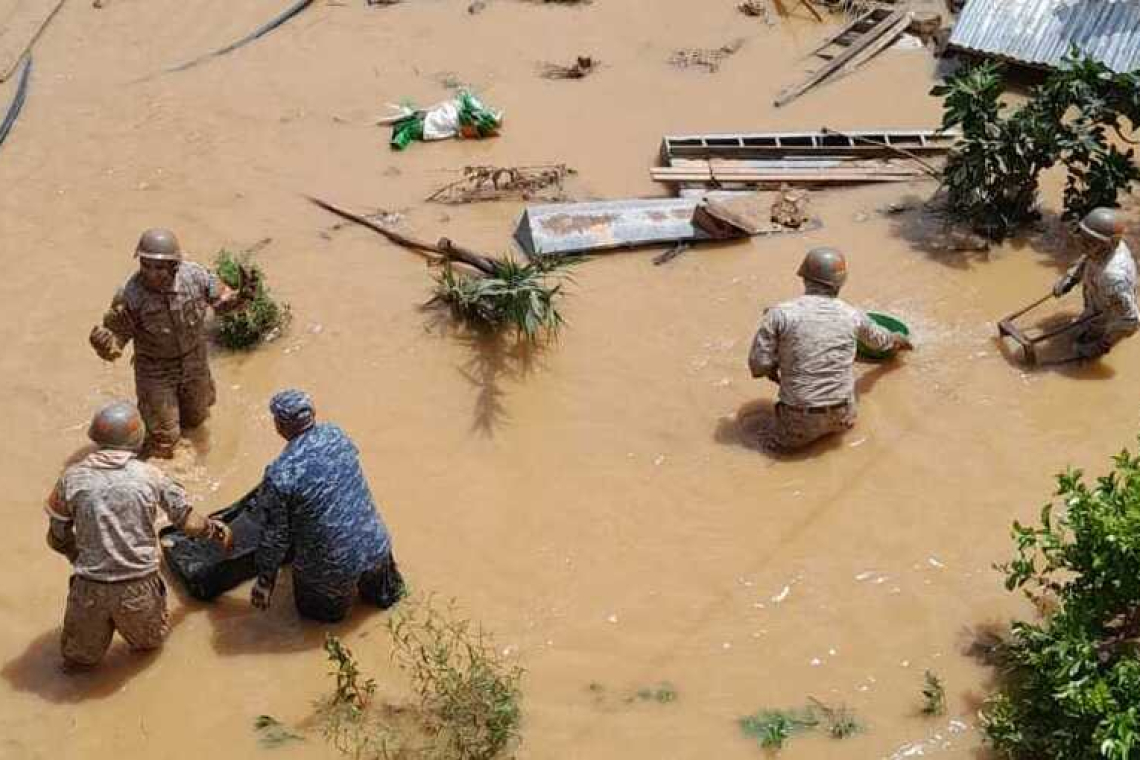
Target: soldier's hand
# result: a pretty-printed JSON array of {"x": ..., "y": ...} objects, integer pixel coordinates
[
  {"x": 221, "y": 534},
  {"x": 104, "y": 343},
  {"x": 262, "y": 594}
]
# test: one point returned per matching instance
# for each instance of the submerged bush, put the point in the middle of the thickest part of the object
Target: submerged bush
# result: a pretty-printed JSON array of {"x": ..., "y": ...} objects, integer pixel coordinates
[
  {"x": 468, "y": 693},
  {"x": 522, "y": 296},
  {"x": 1071, "y": 686},
  {"x": 263, "y": 318}
]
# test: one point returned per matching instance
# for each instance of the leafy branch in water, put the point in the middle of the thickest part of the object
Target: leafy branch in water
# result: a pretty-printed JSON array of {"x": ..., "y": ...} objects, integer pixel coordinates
[
  {"x": 991, "y": 177},
  {"x": 522, "y": 296},
  {"x": 1072, "y": 680},
  {"x": 262, "y": 319}
]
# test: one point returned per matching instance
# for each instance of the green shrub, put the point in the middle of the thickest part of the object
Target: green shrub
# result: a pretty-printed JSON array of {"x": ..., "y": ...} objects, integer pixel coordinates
[
  {"x": 519, "y": 295},
  {"x": 468, "y": 694},
  {"x": 991, "y": 176},
  {"x": 261, "y": 319},
  {"x": 1071, "y": 686}
]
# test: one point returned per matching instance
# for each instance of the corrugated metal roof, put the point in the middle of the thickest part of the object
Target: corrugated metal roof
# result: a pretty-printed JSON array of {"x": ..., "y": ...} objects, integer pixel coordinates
[{"x": 1040, "y": 32}]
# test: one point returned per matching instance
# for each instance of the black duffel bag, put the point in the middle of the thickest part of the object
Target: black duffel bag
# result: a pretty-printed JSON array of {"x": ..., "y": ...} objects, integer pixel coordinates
[{"x": 201, "y": 565}]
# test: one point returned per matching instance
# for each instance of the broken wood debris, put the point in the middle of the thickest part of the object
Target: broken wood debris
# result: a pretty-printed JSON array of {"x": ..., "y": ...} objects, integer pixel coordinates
[
  {"x": 580, "y": 69},
  {"x": 492, "y": 183},
  {"x": 437, "y": 253},
  {"x": 708, "y": 59},
  {"x": 790, "y": 208},
  {"x": 826, "y": 157},
  {"x": 852, "y": 47},
  {"x": 756, "y": 9},
  {"x": 824, "y": 142},
  {"x": 769, "y": 173}
]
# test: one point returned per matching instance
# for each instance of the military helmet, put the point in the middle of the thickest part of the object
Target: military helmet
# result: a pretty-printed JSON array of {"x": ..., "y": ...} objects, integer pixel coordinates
[
  {"x": 1104, "y": 224},
  {"x": 118, "y": 426},
  {"x": 824, "y": 266},
  {"x": 158, "y": 244}
]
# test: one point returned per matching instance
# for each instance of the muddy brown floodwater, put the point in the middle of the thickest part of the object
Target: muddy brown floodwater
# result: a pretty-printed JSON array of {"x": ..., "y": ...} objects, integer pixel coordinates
[{"x": 602, "y": 508}]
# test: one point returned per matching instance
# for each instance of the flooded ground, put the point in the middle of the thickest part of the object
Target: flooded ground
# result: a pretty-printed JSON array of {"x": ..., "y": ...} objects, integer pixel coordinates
[{"x": 603, "y": 509}]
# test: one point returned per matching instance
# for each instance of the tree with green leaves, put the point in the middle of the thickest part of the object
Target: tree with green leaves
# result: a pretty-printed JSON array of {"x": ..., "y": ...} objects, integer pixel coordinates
[
  {"x": 992, "y": 175},
  {"x": 1071, "y": 681}
]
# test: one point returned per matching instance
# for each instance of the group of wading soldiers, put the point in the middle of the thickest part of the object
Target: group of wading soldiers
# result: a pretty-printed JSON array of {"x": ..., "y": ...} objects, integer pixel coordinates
[
  {"x": 104, "y": 509},
  {"x": 316, "y": 500}
]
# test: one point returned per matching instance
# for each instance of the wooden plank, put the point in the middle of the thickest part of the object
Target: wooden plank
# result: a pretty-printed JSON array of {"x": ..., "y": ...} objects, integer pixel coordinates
[
  {"x": 835, "y": 37},
  {"x": 879, "y": 46},
  {"x": 840, "y": 60},
  {"x": 20, "y": 28}
]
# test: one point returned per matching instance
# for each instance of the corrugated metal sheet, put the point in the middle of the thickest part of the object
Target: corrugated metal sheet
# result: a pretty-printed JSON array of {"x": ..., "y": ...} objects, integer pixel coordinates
[{"x": 1041, "y": 32}]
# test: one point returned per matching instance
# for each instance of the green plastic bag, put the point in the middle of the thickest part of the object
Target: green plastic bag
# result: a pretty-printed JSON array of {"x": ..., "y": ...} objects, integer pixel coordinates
[
  {"x": 406, "y": 131},
  {"x": 475, "y": 119}
]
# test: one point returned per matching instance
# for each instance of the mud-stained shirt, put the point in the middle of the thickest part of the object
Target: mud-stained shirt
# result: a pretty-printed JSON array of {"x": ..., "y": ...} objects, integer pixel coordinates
[
  {"x": 112, "y": 500},
  {"x": 168, "y": 324},
  {"x": 812, "y": 341},
  {"x": 1109, "y": 287},
  {"x": 316, "y": 499}
]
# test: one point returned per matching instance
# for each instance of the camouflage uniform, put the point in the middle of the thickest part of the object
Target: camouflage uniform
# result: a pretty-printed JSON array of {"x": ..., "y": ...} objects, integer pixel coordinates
[
  {"x": 811, "y": 341},
  {"x": 172, "y": 374},
  {"x": 112, "y": 500},
  {"x": 1109, "y": 288},
  {"x": 317, "y": 501}
]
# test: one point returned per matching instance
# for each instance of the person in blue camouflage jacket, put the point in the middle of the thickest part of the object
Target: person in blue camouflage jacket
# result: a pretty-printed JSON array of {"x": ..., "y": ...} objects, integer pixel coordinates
[{"x": 317, "y": 502}]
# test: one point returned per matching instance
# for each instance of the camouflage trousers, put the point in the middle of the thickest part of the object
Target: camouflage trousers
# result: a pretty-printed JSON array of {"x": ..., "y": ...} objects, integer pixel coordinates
[
  {"x": 174, "y": 394},
  {"x": 134, "y": 608},
  {"x": 329, "y": 602},
  {"x": 797, "y": 428}
]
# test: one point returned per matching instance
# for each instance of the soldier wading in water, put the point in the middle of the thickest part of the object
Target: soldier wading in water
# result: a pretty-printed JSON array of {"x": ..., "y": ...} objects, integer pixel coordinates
[{"x": 163, "y": 309}]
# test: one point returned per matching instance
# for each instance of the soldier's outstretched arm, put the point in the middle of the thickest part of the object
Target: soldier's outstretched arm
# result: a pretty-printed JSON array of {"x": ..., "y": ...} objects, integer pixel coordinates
[
  {"x": 172, "y": 500},
  {"x": 880, "y": 338}
]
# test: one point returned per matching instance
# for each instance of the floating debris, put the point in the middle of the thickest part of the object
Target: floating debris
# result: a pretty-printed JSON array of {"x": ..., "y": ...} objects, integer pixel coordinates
[
  {"x": 582, "y": 67},
  {"x": 708, "y": 59},
  {"x": 492, "y": 183}
]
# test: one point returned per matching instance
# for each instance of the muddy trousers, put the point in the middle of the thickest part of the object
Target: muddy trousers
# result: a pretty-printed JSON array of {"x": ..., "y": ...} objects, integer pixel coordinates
[
  {"x": 381, "y": 586},
  {"x": 134, "y": 608},
  {"x": 174, "y": 394},
  {"x": 798, "y": 427}
]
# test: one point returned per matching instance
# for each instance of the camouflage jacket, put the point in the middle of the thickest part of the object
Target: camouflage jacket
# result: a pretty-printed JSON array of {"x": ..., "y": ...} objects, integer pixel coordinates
[
  {"x": 317, "y": 500},
  {"x": 112, "y": 500},
  {"x": 165, "y": 325},
  {"x": 811, "y": 340},
  {"x": 1109, "y": 287}
]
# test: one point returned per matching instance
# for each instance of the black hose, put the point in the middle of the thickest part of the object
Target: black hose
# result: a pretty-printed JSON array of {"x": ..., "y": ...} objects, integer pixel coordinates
[
  {"x": 261, "y": 31},
  {"x": 17, "y": 103}
]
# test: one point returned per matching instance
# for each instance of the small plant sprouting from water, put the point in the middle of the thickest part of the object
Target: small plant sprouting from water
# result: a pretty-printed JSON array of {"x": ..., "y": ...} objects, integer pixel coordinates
[
  {"x": 663, "y": 693},
  {"x": 468, "y": 693},
  {"x": 933, "y": 695},
  {"x": 343, "y": 716},
  {"x": 839, "y": 721},
  {"x": 261, "y": 319},
  {"x": 272, "y": 732},
  {"x": 772, "y": 728}
]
